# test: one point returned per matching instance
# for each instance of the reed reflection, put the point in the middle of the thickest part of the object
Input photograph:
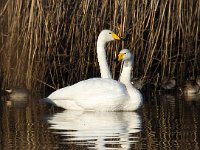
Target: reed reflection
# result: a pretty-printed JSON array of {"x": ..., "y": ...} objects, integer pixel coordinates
[
  {"x": 99, "y": 130},
  {"x": 21, "y": 126}
]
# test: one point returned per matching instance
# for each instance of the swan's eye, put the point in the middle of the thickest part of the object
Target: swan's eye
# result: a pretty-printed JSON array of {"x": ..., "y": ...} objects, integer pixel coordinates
[
  {"x": 125, "y": 53},
  {"x": 109, "y": 32}
]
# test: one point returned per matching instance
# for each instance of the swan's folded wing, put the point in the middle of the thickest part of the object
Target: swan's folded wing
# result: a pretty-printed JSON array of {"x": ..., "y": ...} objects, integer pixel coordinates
[{"x": 95, "y": 88}]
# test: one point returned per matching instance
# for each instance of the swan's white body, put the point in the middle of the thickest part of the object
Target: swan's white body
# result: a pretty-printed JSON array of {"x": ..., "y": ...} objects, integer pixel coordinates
[
  {"x": 98, "y": 94},
  {"x": 94, "y": 94}
]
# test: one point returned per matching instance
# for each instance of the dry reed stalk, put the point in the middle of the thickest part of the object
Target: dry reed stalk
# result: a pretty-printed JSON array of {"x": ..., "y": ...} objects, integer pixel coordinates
[{"x": 55, "y": 42}]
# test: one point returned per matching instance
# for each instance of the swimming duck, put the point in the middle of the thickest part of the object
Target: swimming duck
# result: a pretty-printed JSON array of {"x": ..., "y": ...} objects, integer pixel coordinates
[
  {"x": 18, "y": 94},
  {"x": 190, "y": 87},
  {"x": 168, "y": 83}
]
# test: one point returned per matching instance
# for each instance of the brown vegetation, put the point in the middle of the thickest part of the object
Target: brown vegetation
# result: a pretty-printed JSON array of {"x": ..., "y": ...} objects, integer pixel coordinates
[{"x": 53, "y": 42}]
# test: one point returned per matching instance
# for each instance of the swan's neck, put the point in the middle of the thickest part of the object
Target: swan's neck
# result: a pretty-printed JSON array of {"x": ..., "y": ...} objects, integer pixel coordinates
[
  {"x": 135, "y": 99},
  {"x": 126, "y": 72},
  {"x": 101, "y": 54}
]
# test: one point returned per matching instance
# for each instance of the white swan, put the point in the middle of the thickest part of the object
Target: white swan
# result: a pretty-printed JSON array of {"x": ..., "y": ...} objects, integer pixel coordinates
[
  {"x": 99, "y": 94},
  {"x": 135, "y": 97},
  {"x": 89, "y": 93}
]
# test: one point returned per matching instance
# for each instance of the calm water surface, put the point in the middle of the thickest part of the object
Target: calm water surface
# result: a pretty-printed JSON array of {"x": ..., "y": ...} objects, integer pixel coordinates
[{"x": 164, "y": 122}]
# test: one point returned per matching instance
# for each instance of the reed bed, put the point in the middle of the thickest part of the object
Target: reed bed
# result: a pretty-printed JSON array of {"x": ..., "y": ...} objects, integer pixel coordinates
[{"x": 53, "y": 43}]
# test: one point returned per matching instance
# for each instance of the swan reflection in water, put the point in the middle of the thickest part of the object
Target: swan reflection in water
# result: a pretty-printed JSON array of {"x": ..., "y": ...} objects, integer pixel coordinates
[{"x": 97, "y": 130}]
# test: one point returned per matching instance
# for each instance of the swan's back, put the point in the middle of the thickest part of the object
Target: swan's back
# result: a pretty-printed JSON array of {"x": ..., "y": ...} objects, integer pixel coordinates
[
  {"x": 95, "y": 87},
  {"x": 93, "y": 94}
]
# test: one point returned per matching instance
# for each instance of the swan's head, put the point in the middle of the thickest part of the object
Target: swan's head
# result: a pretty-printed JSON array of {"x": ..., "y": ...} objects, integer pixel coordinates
[
  {"x": 107, "y": 36},
  {"x": 125, "y": 55}
]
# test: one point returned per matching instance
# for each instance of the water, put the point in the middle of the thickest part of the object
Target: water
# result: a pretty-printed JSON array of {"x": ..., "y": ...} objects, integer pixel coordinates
[{"x": 164, "y": 122}]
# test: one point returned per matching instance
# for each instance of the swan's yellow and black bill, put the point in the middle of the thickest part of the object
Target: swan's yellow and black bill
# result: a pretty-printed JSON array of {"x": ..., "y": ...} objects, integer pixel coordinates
[
  {"x": 115, "y": 36},
  {"x": 120, "y": 57}
]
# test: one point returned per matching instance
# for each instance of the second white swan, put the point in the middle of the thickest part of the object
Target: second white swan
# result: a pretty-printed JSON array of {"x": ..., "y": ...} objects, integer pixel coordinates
[{"x": 135, "y": 97}]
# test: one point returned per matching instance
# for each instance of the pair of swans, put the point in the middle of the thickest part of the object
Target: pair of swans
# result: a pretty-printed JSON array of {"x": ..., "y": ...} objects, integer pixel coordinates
[{"x": 102, "y": 94}]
